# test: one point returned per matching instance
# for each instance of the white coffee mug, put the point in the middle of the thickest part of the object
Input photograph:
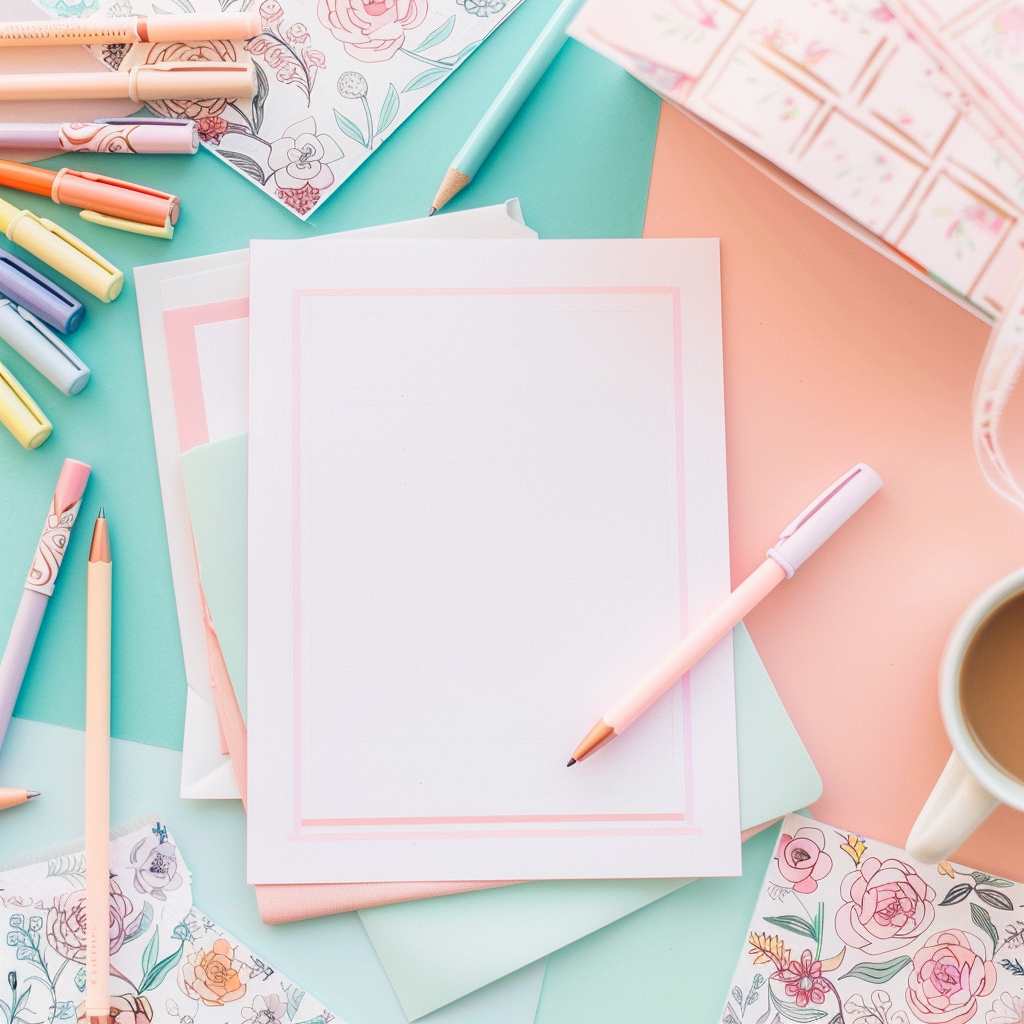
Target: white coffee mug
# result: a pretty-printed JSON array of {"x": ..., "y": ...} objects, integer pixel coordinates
[{"x": 971, "y": 785}]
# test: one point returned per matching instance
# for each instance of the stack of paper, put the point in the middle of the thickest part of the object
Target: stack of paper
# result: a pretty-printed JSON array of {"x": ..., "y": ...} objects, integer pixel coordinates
[{"x": 196, "y": 338}]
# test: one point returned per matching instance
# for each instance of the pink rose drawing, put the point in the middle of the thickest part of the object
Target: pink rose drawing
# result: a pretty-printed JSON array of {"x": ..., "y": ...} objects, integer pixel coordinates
[
  {"x": 949, "y": 975},
  {"x": 212, "y": 129},
  {"x": 887, "y": 905},
  {"x": 65, "y": 923},
  {"x": 802, "y": 859},
  {"x": 371, "y": 30}
]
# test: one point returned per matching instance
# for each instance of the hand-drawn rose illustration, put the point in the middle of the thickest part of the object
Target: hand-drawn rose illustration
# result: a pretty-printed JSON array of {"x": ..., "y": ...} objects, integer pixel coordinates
[
  {"x": 802, "y": 859},
  {"x": 213, "y": 976},
  {"x": 887, "y": 905},
  {"x": 65, "y": 922},
  {"x": 220, "y": 50},
  {"x": 949, "y": 974},
  {"x": 371, "y": 30}
]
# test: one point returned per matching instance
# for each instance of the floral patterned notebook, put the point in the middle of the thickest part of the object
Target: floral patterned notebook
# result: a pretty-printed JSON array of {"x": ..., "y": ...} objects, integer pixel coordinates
[
  {"x": 335, "y": 79},
  {"x": 850, "y": 931},
  {"x": 169, "y": 962}
]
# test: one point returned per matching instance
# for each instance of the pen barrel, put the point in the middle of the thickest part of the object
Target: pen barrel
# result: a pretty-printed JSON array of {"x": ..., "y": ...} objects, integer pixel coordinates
[
  {"x": 186, "y": 81},
  {"x": 19, "y": 412},
  {"x": 697, "y": 642},
  {"x": 81, "y": 85},
  {"x": 97, "y": 789},
  {"x": 38, "y": 345},
  {"x": 26, "y": 178},
  {"x": 125, "y": 138},
  {"x": 49, "y": 243},
  {"x": 66, "y": 32},
  {"x": 18, "y": 653}
]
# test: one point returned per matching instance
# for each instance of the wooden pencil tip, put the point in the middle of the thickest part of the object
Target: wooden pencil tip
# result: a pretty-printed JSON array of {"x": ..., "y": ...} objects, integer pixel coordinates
[
  {"x": 101, "y": 515},
  {"x": 572, "y": 761},
  {"x": 32, "y": 794}
]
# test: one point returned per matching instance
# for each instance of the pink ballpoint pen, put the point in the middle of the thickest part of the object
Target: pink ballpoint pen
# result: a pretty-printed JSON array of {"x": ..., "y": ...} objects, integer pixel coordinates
[
  {"x": 42, "y": 575},
  {"x": 795, "y": 545}
]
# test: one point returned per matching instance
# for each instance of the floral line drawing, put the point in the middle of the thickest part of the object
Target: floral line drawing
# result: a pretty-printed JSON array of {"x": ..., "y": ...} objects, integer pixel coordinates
[
  {"x": 353, "y": 86},
  {"x": 286, "y": 50}
]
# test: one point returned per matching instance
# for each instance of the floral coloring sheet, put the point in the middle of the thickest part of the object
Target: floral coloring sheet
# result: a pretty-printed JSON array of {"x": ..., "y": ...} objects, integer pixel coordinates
[
  {"x": 850, "y": 931},
  {"x": 839, "y": 96},
  {"x": 168, "y": 961},
  {"x": 335, "y": 79}
]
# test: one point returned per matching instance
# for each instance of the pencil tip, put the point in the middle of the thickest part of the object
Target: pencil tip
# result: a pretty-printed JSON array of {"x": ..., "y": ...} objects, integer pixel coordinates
[
  {"x": 32, "y": 794},
  {"x": 572, "y": 761},
  {"x": 101, "y": 515},
  {"x": 433, "y": 210}
]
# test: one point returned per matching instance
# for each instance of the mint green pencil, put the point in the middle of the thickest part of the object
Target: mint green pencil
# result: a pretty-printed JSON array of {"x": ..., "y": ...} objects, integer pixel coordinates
[{"x": 506, "y": 104}]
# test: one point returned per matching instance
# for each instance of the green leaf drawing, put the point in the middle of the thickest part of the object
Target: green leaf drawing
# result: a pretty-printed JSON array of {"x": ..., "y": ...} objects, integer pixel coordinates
[
  {"x": 801, "y": 1014},
  {"x": 142, "y": 923},
  {"x": 259, "y": 101},
  {"x": 999, "y": 900},
  {"x": 796, "y": 924},
  {"x": 160, "y": 970},
  {"x": 151, "y": 954},
  {"x": 957, "y": 894},
  {"x": 422, "y": 80},
  {"x": 71, "y": 866},
  {"x": 877, "y": 974},
  {"x": 983, "y": 919},
  {"x": 439, "y": 35},
  {"x": 465, "y": 52},
  {"x": 350, "y": 128},
  {"x": 389, "y": 108},
  {"x": 295, "y": 997},
  {"x": 980, "y": 878},
  {"x": 244, "y": 163}
]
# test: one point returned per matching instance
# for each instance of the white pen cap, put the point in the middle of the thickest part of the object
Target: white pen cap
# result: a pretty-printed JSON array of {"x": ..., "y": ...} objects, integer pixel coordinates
[{"x": 823, "y": 517}]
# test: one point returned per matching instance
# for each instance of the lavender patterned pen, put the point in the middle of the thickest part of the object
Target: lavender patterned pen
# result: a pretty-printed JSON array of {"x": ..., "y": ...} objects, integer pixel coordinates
[{"x": 42, "y": 575}]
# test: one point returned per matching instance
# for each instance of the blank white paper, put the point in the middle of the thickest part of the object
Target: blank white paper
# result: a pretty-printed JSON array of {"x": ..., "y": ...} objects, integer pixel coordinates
[{"x": 486, "y": 492}]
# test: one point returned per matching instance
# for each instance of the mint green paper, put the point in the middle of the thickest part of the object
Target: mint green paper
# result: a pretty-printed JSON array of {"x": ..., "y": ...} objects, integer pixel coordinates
[
  {"x": 438, "y": 950},
  {"x": 215, "y": 486},
  {"x": 578, "y": 156},
  {"x": 330, "y": 957}
]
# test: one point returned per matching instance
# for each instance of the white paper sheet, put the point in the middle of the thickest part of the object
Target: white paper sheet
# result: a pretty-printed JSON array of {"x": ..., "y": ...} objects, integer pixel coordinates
[
  {"x": 486, "y": 489},
  {"x": 220, "y": 387}
]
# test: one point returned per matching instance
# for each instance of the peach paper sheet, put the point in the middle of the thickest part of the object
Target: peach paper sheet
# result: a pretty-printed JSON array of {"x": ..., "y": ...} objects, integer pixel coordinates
[{"x": 833, "y": 355}]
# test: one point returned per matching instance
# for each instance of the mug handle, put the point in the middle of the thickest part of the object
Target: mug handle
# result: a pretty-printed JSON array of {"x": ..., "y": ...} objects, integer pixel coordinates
[{"x": 957, "y": 806}]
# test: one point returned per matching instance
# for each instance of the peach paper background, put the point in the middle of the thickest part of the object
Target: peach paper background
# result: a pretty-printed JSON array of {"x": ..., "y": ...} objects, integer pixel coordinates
[{"x": 834, "y": 355}]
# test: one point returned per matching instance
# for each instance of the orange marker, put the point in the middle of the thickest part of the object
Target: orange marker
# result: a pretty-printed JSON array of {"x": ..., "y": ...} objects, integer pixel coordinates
[{"x": 103, "y": 200}]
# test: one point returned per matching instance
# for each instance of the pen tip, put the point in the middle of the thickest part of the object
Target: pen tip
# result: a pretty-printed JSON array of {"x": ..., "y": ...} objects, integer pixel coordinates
[
  {"x": 32, "y": 794},
  {"x": 101, "y": 515},
  {"x": 433, "y": 210},
  {"x": 572, "y": 761}
]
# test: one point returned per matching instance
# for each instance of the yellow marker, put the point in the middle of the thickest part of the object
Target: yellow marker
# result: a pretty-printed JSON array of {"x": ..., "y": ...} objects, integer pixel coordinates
[
  {"x": 61, "y": 250},
  {"x": 19, "y": 414}
]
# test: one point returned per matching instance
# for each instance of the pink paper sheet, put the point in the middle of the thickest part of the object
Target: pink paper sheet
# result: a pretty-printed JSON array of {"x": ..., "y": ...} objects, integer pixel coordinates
[{"x": 834, "y": 355}]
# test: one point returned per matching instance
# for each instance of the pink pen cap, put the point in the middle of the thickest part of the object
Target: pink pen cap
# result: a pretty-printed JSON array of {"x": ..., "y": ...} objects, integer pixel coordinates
[
  {"x": 823, "y": 517},
  {"x": 128, "y": 135},
  {"x": 178, "y": 27}
]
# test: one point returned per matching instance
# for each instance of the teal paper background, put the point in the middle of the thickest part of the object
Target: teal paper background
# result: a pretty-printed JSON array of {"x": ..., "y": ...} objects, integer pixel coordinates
[{"x": 578, "y": 156}]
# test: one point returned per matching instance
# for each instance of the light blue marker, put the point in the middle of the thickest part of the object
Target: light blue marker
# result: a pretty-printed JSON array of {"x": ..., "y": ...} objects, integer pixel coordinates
[{"x": 506, "y": 104}]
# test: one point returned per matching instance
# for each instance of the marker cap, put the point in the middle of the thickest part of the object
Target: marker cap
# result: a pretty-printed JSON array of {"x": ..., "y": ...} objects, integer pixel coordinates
[
  {"x": 823, "y": 517},
  {"x": 39, "y": 295},
  {"x": 201, "y": 26},
  {"x": 19, "y": 414},
  {"x": 38, "y": 345}
]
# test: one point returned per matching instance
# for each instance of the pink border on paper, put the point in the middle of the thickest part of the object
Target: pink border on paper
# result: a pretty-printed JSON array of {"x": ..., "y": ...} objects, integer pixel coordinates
[
  {"x": 300, "y": 822},
  {"x": 183, "y": 362}
]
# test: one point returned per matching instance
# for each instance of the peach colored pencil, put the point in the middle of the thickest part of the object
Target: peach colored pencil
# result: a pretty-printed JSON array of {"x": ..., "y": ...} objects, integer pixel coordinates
[
  {"x": 15, "y": 797},
  {"x": 97, "y": 777}
]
